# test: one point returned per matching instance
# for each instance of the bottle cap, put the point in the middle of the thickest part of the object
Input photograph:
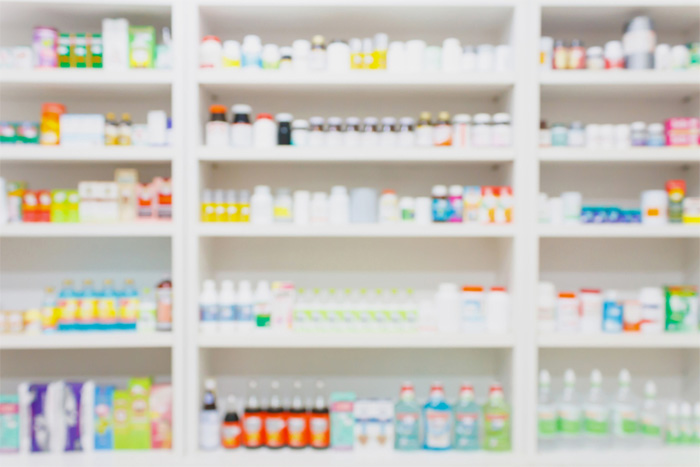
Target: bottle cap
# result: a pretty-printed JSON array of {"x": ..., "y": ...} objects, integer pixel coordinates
[
  {"x": 264, "y": 117},
  {"x": 284, "y": 117},
  {"x": 215, "y": 109},
  {"x": 241, "y": 109}
]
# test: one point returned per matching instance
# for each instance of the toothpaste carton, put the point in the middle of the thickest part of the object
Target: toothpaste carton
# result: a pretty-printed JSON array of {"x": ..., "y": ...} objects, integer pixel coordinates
[
  {"x": 139, "y": 414},
  {"x": 161, "y": 407},
  {"x": 104, "y": 417},
  {"x": 9, "y": 423},
  {"x": 122, "y": 419},
  {"x": 342, "y": 420}
]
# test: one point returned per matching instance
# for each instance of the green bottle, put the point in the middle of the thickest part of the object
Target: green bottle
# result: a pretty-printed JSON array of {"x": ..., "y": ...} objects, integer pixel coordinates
[{"x": 496, "y": 421}]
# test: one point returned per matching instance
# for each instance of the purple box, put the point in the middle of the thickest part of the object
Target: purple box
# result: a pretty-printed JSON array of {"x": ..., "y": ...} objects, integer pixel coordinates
[
  {"x": 39, "y": 425},
  {"x": 45, "y": 42},
  {"x": 70, "y": 413}
]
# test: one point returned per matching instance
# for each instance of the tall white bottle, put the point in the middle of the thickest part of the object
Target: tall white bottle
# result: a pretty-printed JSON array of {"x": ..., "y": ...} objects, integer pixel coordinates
[
  {"x": 596, "y": 415},
  {"x": 650, "y": 418},
  {"x": 625, "y": 414},
  {"x": 569, "y": 414},
  {"x": 245, "y": 309},
  {"x": 208, "y": 308},
  {"x": 227, "y": 308},
  {"x": 546, "y": 415}
]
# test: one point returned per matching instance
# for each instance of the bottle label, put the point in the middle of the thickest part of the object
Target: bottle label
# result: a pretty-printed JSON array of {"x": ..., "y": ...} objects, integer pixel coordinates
[
  {"x": 441, "y": 210},
  {"x": 296, "y": 426},
  {"x": 497, "y": 436},
  {"x": 595, "y": 421},
  {"x": 437, "y": 432},
  {"x": 208, "y": 313},
  {"x": 275, "y": 431},
  {"x": 406, "y": 424},
  {"x": 626, "y": 422},
  {"x": 244, "y": 313},
  {"x": 467, "y": 430},
  {"x": 569, "y": 421},
  {"x": 649, "y": 428},
  {"x": 231, "y": 435},
  {"x": 252, "y": 426},
  {"x": 612, "y": 317},
  {"x": 106, "y": 311},
  {"x": 262, "y": 315},
  {"x": 546, "y": 423},
  {"x": 319, "y": 430},
  {"x": 227, "y": 312}
]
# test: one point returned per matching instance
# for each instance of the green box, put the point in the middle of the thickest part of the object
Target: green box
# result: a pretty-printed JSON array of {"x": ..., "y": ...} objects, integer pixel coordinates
[
  {"x": 342, "y": 420},
  {"x": 681, "y": 309},
  {"x": 63, "y": 50},
  {"x": 9, "y": 423},
  {"x": 94, "y": 51},
  {"x": 27, "y": 133},
  {"x": 122, "y": 420},
  {"x": 59, "y": 206},
  {"x": 8, "y": 133},
  {"x": 142, "y": 46},
  {"x": 73, "y": 206},
  {"x": 140, "y": 414},
  {"x": 79, "y": 51}
]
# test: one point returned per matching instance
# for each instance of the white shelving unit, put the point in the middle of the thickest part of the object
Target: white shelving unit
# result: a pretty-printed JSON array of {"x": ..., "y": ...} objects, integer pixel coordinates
[{"x": 517, "y": 256}]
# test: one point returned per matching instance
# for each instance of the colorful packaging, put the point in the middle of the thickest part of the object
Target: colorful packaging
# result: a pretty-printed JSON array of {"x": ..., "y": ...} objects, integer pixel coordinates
[
  {"x": 38, "y": 426},
  {"x": 104, "y": 417},
  {"x": 139, "y": 414},
  {"x": 161, "y": 406},
  {"x": 9, "y": 423},
  {"x": 44, "y": 206},
  {"x": 73, "y": 206},
  {"x": 682, "y": 131},
  {"x": 63, "y": 50},
  {"x": 8, "y": 133},
  {"x": 122, "y": 419},
  {"x": 676, "y": 194},
  {"x": 127, "y": 181},
  {"x": 165, "y": 199},
  {"x": 45, "y": 42},
  {"x": 691, "y": 211},
  {"x": 489, "y": 204},
  {"x": 681, "y": 309},
  {"x": 145, "y": 206},
  {"x": 78, "y": 50},
  {"x": 342, "y": 420},
  {"x": 632, "y": 316},
  {"x": 71, "y": 419},
  {"x": 381, "y": 427},
  {"x": 612, "y": 316},
  {"x": 30, "y": 207},
  {"x": 27, "y": 133},
  {"x": 94, "y": 51},
  {"x": 142, "y": 46}
]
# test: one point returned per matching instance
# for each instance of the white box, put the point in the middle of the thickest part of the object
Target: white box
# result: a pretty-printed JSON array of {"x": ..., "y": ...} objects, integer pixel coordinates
[
  {"x": 157, "y": 128},
  {"x": 82, "y": 130},
  {"x": 115, "y": 44}
]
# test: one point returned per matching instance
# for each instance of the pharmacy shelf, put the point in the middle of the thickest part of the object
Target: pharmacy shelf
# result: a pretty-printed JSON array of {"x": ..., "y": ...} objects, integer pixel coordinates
[
  {"x": 91, "y": 459},
  {"x": 660, "y": 155},
  {"x": 379, "y": 155},
  {"x": 19, "y": 153},
  {"x": 666, "y": 456},
  {"x": 651, "y": 83},
  {"x": 355, "y": 340},
  {"x": 87, "y": 340},
  {"x": 354, "y": 230},
  {"x": 621, "y": 341},
  {"x": 325, "y": 458},
  {"x": 620, "y": 231},
  {"x": 48, "y": 230}
]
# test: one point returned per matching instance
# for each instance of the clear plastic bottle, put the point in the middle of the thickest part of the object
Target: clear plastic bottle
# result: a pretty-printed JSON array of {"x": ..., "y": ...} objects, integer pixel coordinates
[
  {"x": 673, "y": 426},
  {"x": 546, "y": 415},
  {"x": 437, "y": 416},
  {"x": 496, "y": 420},
  {"x": 467, "y": 415},
  {"x": 596, "y": 415},
  {"x": 407, "y": 420},
  {"x": 625, "y": 414},
  {"x": 569, "y": 413},
  {"x": 208, "y": 308},
  {"x": 650, "y": 419},
  {"x": 227, "y": 308}
]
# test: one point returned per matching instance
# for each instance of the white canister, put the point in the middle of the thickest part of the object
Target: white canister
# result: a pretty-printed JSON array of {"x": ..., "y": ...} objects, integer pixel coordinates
[
  {"x": 501, "y": 133},
  {"x": 497, "y": 310},
  {"x": 339, "y": 206},
  {"x": 241, "y": 129},
  {"x": 481, "y": 130},
  {"x": 388, "y": 207},
  {"x": 264, "y": 131},
  {"x": 363, "y": 206},
  {"x": 338, "y": 57},
  {"x": 251, "y": 52},
  {"x": 461, "y": 130},
  {"x": 261, "y": 206},
  {"x": 484, "y": 58},
  {"x": 369, "y": 135},
  {"x": 424, "y": 210},
  {"x": 556, "y": 211},
  {"x": 662, "y": 57},
  {"x": 415, "y": 55},
  {"x": 407, "y": 135},
  {"x": 396, "y": 57},
  {"x": 301, "y": 49},
  {"x": 232, "y": 54},
  {"x": 451, "y": 55},
  {"x": 473, "y": 310},
  {"x": 654, "y": 207},
  {"x": 210, "y": 51},
  {"x": 302, "y": 207},
  {"x": 591, "y": 311},
  {"x": 300, "y": 133},
  {"x": 568, "y": 320},
  {"x": 622, "y": 136},
  {"x": 447, "y": 308},
  {"x": 407, "y": 209},
  {"x": 319, "y": 208},
  {"x": 653, "y": 307},
  {"x": 503, "y": 58},
  {"x": 571, "y": 205},
  {"x": 270, "y": 57},
  {"x": 680, "y": 57}
]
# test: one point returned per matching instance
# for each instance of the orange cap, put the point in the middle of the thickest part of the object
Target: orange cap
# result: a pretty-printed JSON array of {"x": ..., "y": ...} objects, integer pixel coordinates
[
  {"x": 472, "y": 288},
  {"x": 217, "y": 109},
  {"x": 567, "y": 295},
  {"x": 53, "y": 107}
]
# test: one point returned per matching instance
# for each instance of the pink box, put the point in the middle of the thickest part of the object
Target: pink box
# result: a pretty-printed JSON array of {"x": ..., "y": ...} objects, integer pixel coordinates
[
  {"x": 161, "y": 406},
  {"x": 683, "y": 131}
]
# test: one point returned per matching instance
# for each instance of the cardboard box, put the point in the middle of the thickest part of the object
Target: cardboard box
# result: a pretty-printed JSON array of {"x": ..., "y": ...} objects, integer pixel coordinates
[
  {"x": 95, "y": 51},
  {"x": 64, "y": 50},
  {"x": 342, "y": 420},
  {"x": 161, "y": 407},
  {"x": 122, "y": 419},
  {"x": 9, "y": 423},
  {"x": 139, "y": 414},
  {"x": 115, "y": 44},
  {"x": 142, "y": 46},
  {"x": 104, "y": 417}
]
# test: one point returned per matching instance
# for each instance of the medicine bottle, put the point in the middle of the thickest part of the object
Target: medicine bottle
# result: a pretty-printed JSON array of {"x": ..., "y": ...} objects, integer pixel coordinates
[
  {"x": 638, "y": 134},
  {"x": 387, "y": 135},
  {"x": 485, "y": 57},
  {"x": 317, "y": 56},
  {"x": 317, "y": 136},
  {"x": 300, "y": 133},
  {"x": 560, "y": 135},
  {"x": 244, "y": 206},
  {"x": 561, "y": 56},
  {"x": 270, "y": 57},
  {"x": 283, "y": 206},
  {"x": 232, "y": 54},
  {"x": 622, "y": 136},
  {"x": 251, "y": 52},
  {"x": 577, "y": 55},
  {"x": 285, "y": 59},
  {"x": 232, "y": 214},
  {"x": 261, "y": 206},
  {"x": 367, "y": 50},
  {"x": 481, "y": 130},
  {"x": 424, "y": 130},
  {"x": 442, "y": 131},
  {"x": 461, "y": 130},
  {"x": 656, "y": 136},
  {"x": 210, "y": 51},
  {"x": 407, "y": 209},
  {"x": 264, "y": 131},
  {"x": 594, "y": 58},
  {"x": 284, "y": 129},
  {"x": 381, "y": 45},
  {"x": 301, "y": 52},
  {"x": 352, "y": 132},
  {"x": 216, "y": 130},
  {"x": 545, "y": 135},
  {"x": 501, "y": 131},
  {"x": 593, "y": 136},
  {"x": 370, "y": 136},
  {"x": 388, "y": 207},
  {"x": 338, "y": 56},
  {"x": 639, "y": 41},
  {"x": 469, "y": 58},
  {"x": 577, "y": 135},
  {"x": 614, "y": 56},
  {"x": 406, "y": 136},
  {"x": 334, "y": 133},
  {"x": 241, "y": 129},
  {"x": 125, "y": 130},
  {"x": 112, "y": 129},
  {"x": 356, "y": 57},
  {"x": 440, "y": 204},
  {"x": 339, "y": 206}
]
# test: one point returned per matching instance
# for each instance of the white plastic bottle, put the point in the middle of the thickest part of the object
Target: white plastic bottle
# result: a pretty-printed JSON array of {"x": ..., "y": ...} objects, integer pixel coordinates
[
  {"x": 319, "y": 208},
  {"x": 567, "y": 313},
  {"x": 447, "y": 307},
  {"x": 686, "y": 423},
  {"x": 241, "y": 128},
  {"x": 650, "y": 419},
  {"x": 339, "y": 206},
  {"x": 245, "y": 309},
  {"x": 473, "y": 314},
  {"x": 264, "y": 131},
  {"x": 227, "y": 308},
  {"x": 546, "y": 308},
  {"x": 651, "y": 300},
  {"x": 625, "y": 415},
  {"x": 261, "y": 206},
  {"x": 497, "y": 310},
  {"x": 673, "y": 426},
  {"x": 251, "y": 52},
  {"x": 569, "y": 413},
  {"x": 263, "y": 305},
  {"x": 208, "y": 308},
  {"x": 209, "y": 423},
  {"x": 591, "y": 311},
  {"x": 596, "y": 415},
  {"x": 546, "y": 415}
]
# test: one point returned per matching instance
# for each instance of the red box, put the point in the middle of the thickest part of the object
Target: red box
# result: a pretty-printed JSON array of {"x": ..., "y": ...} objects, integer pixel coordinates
[
  {"x": 44, "y": 207},
  {"x": 683, "y": 131},
  {"x": 30, "y": 206}
]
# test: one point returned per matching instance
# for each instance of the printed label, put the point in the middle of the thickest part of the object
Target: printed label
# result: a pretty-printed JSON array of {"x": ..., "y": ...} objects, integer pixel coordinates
[
  {"x": 569, "y": 421},
  {"x": 274, "y": 430},
  {"x": 227, "y": 313},
  {"x": 595, "y": 421},
  {"x": 296, "y": 426},
  {"x": 547, "y": 423},
  {"x": 245, "y": 313},
  {"x": 437, "y": 433},
  {"x": 252, "y": 426},
  {"x": 208, "y": 312}
]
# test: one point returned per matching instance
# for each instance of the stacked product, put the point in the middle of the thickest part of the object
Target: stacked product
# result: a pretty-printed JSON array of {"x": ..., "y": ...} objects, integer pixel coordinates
[
  {"x": 598, "y": 421},
  {"x": 638, "y": 50},
  {"x": 118, "y": 47},
  {"x": 650, "y": 310},
  {"x": 122, "y": 200},
  {"x": 57, "y": 128},
  {"x": 351, "y": 423},
  {"x": 95, "y": 309},
  {"x": 284, "y": 308},
  {"x": 458, "y": 204},
  {"x": 457, "y": 131},
  {"x": 340, "y": 56},
  {"x": 85, "y": 416},
  {"x": 675, "y": 132},
  {"x": 658, "y": 207}
]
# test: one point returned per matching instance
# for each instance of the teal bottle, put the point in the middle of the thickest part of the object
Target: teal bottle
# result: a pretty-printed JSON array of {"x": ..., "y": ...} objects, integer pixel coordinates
[
  {"x": 467, "y": 415},
  {"x": 437, "y": 416},
  {"x": 407, "y": 420}
]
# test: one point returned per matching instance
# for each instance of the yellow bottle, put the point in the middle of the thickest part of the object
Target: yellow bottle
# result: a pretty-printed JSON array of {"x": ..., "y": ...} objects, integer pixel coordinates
[
  {"x": 231, "y": 207},
  {"x": 357, "y": 58},
  {"x": 367, "y": 55},
  {"x": 208, "y": 207},
  {"x": 219, "y": 206},
  {"x": 381, "y": 44},
  {"x": 244, "y": 206}
]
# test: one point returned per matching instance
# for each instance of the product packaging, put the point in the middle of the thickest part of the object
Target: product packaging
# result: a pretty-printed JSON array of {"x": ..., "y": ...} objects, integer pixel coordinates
[
  {"x": 682, "y": 131},
  {"x": 104, "y": 417},
  {"x": 342, "y": 420},
  {"x": 9, "y": 423},
  {"x": 681, "y": 309},
  {"x": 115, "y": 44},
  {"x": 691, "y": 211},
  {"x": 142, "y": 46},
  {"x": 139, "y": 414},
  {"x": 122, "y": 419},
  {"x": 160, "y": 404}
]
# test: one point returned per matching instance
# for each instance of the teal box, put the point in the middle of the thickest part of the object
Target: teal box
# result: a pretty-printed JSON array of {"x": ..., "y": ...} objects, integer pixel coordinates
[
  {"x": 9, "y": 423},
  {"x": 342, "y": 420},
  {"x": 104, "y": 417}
]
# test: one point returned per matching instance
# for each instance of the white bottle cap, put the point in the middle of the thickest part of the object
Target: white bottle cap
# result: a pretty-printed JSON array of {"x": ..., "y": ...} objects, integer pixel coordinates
[
  {"x": 569, "y": 377},
  {"x": 406, "y": 121},
  {"x": 461, "y": 118},
  {"x": 439, "y": 190},
  {"x": 339, "y": 190},
  {"x": 352, "y": 121},
  {"x": 501, "y": 118},
  {"x": 482, "y": 118},
  {"x": 456, "y": 190},
  {"x": 284, "y": 117},
  {"x": 335, "y": 121},
  {"x": 241, "y": 109},
  {"x": 388, "y": 121},
  {"x": 596, "y": 378}
]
